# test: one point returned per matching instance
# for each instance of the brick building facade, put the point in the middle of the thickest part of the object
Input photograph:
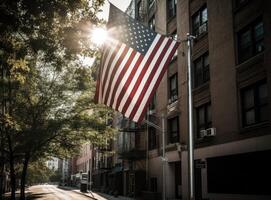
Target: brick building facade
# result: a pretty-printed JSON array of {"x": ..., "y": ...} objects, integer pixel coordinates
[{"x": 231, "y": 95}]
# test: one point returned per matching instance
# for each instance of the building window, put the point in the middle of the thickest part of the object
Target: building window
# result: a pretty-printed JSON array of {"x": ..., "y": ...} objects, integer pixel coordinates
[
  {"x": 153, "y": 103},
  {"x": 173, "y": 88},
  {"x": 201, "y": 70},
  {"x": 240, "y": 3},
  {"x": 255, "y": 104},
  {"x": 204, "y": 118},
  {"x": 152, "y": 23},
  {"x": 153, "y": 184},
  {"x": 171, "y": 8},
  {"x": 250, "y": 41},
  {"x": 173, "y": 125},
  {"x": 200, "y": 21},
  {"x": 152, "y": 138}
]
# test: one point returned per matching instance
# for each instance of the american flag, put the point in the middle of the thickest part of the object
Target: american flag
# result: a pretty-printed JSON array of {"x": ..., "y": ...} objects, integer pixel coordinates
[{"x": 134, "y": 60}]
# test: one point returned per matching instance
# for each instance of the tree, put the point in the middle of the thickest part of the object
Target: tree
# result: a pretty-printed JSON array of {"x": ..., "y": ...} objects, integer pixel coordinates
[
  {"x": 46, "y": 106},
  {"x": 38, "y": 172}
]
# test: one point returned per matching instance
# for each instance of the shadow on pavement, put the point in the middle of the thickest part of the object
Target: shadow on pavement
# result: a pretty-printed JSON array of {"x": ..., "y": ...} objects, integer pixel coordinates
[
  {"x": 29, "y": 196},
  {"x": 66, "y": 188}
]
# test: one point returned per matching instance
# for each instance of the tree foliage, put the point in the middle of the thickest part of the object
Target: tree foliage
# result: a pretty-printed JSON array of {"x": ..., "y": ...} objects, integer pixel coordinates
[
  {"x": 38, "y": 173},
  {"x": 46, "y": 101}
]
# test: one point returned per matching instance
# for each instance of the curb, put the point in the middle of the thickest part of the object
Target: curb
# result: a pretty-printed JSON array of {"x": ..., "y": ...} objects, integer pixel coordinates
[{"x": 72, "y": 189}]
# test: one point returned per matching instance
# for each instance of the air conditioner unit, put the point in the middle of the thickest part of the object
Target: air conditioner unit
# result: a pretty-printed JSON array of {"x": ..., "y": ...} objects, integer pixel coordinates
[
  {"x": 151, "y": 112},
  {"x": 202, "y": 133},
  {"x": 179, "y": 147},
  {"x": 203, "y": 28},
  {"x": 210, "y": 132}
]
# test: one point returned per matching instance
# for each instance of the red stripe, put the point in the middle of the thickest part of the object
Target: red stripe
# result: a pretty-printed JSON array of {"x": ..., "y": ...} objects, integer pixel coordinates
[
  {"x": 127, "y": 83},
  {"x": 157, "y": 83},
  {"x": 97, "y": 92},
  {"x": 96, "y": 97},
  {"x": 116, "y": 50},
  {"x": 105, "y": 54},
  {"x": 143, "y": 72},
  {"x": 122, "y": 73},
  {"x": 150, "y": 78},
  {"x": 115, "y": 67}
]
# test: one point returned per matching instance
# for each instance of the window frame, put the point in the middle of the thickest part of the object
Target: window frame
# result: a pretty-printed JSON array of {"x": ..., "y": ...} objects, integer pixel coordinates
[
  {"x": 199, "y": 13},
  {"x": 153, "y": 184},
  {"x": 173, "y": 93},
  {"x": 152, "y": 104},
  {"x": 238, "y": 3},
  {"x": 172, "y": 14},
  {"x": 254, "y": 41},
  {"x": 176, "y": 137},
  {"x": 206, "y": 124},
  {"x": 257, "y": 105},
  {"x": 202, "y": 75},
  {"x": 152, "y": 138}
]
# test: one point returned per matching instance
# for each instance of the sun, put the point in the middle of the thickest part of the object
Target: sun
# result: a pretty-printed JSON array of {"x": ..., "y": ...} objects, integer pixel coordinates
[{"x": 98, "y": 36}]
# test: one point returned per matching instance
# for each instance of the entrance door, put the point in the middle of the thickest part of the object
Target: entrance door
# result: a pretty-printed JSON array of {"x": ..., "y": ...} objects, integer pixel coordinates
[
  {"x": 131, "y": 186},
  {"x": 178, "y": 180},
  {"x": 198, "y": 183}
]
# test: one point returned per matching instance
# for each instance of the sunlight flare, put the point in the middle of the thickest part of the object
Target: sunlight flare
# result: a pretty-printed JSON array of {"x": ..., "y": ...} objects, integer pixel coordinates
[{"x": 98, "y": 36}]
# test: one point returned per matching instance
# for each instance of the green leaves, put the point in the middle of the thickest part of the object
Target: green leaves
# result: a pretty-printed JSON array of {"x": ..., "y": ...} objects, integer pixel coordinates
[{"x": 49, "y": 92}]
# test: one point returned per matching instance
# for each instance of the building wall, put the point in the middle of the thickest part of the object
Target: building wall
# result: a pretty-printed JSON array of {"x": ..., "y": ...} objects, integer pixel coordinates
[
  {"x": 223, "y": 90},
  {"x": 84, "y": 159},
  {"x": 52, "y": 164},
  {"x": 227, "y": 78}
]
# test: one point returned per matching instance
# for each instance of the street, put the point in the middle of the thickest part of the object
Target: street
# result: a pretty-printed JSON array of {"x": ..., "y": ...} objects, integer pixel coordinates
[{"x": 51, "y": 192}]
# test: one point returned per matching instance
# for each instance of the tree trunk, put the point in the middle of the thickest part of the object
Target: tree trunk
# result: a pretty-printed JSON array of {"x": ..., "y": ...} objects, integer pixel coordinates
[
  {"x": 1, "y": 181},
  {"x": 12, "y": 177},
  {"x": 23, "y": 177},
  {"x": 11, "y": 168}
]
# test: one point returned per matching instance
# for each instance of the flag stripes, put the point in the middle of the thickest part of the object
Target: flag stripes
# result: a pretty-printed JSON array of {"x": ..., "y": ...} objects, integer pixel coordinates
[
  {"x": 132, "y": 66},
  {"x": 128, "y": 78}
]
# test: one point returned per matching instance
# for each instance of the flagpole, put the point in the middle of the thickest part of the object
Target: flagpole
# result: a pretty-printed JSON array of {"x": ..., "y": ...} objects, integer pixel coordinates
[
  {"x": 163, "y": 155},
  {"x": 190, "y": 38}
]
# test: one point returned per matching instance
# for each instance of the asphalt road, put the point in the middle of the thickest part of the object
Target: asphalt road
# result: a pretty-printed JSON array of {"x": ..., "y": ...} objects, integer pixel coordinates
[{"x": 51, "y": 192}]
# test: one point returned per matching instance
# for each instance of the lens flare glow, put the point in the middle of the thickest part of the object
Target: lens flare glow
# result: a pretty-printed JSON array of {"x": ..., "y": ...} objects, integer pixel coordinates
[{"x": 98, "y": 36}]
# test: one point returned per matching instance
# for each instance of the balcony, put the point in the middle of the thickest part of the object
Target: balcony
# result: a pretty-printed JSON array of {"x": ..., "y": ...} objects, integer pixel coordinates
[{"x": 173, "y": 106}]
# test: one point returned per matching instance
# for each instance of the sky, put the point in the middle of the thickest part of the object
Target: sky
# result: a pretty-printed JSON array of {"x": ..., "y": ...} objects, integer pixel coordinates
[{"x": 121, "y": 4}]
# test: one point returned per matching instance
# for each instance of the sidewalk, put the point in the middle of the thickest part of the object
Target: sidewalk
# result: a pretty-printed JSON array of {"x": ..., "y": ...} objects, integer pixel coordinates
[{"x": 96, "y": 195}]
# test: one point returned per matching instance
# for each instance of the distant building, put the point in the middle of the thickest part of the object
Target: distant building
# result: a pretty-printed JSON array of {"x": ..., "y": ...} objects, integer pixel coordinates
[
  {"x": 53, "y": 163},
  {"x": 82, "y": 164}
]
